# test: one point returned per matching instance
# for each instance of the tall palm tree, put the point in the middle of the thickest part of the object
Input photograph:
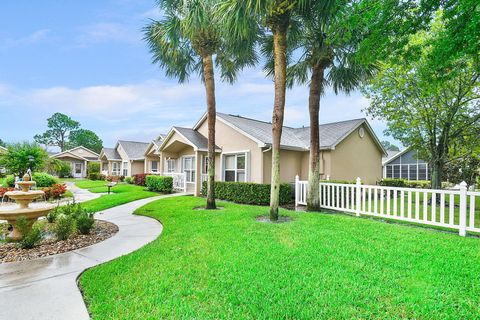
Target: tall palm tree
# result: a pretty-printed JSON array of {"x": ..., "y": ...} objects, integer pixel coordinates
[
  {"x": 323, "y": 53},
  {"x": 188, "y": 40},
  {"x": 268, "y": 17}
]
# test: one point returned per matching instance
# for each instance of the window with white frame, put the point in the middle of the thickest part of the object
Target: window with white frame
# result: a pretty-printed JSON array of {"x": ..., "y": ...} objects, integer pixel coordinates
[
  {"x": 188, "y": 164},
  {"x": 105, "y": 166},
  {"x": 154, "y": 166},
  {"x": 125, "y": 169},
  {"x": 115, "y": 168},
  {"x": 204, "y": 164},
  {"x": 171, "y": 165},
  {"x": 235, "y": 167}
]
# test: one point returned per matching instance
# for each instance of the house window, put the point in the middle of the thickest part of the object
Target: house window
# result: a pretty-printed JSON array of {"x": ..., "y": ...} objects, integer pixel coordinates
[
  {"x": 115, "y": 168},
  {"x": 235, "y": 165},
  {"x": 125, "y": 169},
  {"x": 105, "y": 166},
  {"x": 154, "y": 166},
  {"x": 204, "y": 164},
  {"x": 171, "y": 165},
  {"x": 189, "y": 168}
]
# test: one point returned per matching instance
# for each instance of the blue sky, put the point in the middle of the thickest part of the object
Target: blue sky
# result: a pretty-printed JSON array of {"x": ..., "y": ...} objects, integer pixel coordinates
[{"x": 87, "y": 59}]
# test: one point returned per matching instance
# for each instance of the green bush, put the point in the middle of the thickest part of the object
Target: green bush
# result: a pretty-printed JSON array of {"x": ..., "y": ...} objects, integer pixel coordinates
[
  {"x": 249, "y": 193},
  {"x": 159, "y": 183},
  {"x": 64, "y": 226},
  {"x": 93, "y": 167},
  {"x": 44, "y": 179},
  {"x": 129, "y": 180},
  {"x": 85, "y": 222},
  {"x": 64, "y": 170},
  {"x": 30, "y": 237},
  {"x": 52, "y": 215},
  {"x": 10, "y": 181},
  {"x": 95, "y": 176},
  {"x": 402, "y": 183}
]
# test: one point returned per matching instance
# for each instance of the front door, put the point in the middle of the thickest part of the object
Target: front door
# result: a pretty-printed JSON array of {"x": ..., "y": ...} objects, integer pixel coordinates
[{"x": 78, "y": 170}]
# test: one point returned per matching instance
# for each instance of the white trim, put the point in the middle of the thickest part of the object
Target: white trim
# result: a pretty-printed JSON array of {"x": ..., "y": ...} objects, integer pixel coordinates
[
  {"x": 68, "y": 153},
  {"x": 246, "y": 155},
  {"x": 395, "y": 156}
]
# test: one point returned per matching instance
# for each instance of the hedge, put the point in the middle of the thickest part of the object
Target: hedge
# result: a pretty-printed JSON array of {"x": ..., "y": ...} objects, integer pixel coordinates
[
  {"x": 159, "y": 184},
  {"x": 44, "y": 179},
  {"x": 402, "y": 183},
  {"x": 249, "y": 193}
]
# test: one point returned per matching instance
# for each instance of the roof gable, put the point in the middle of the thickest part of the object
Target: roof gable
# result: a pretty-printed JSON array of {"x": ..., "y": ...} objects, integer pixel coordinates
[
  {"x": 110, "y": 154},
  {"x": 134, "y": 150}
]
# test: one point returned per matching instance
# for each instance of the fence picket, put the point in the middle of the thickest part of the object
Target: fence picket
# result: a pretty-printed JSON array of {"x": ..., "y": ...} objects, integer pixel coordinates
[{"x": 416, "y": 205}]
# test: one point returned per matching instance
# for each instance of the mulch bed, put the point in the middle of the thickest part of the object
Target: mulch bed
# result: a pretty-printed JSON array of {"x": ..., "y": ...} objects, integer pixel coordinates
[{"x": 10, "y": 251}]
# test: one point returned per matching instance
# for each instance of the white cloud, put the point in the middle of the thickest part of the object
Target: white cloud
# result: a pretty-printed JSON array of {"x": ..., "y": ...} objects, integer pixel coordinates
[
  {"x": 29, "y": 39},
  {"x": 154, "y": 13},
  {"x": 107, "y": 32}
]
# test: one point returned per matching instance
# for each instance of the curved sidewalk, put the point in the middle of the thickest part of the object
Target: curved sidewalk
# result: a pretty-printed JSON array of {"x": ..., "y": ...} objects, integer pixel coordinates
[{"x": 46, "y": 288}]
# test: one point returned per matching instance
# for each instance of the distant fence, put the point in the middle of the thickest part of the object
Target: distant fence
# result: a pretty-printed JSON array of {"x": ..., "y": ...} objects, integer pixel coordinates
[
  {"x": 179, "y": 180},
  {"x": 456, "y": 209}
]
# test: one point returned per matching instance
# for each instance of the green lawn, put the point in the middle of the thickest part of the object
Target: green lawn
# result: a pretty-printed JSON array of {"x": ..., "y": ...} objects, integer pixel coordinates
[
  {"x": 225, "y": 265},
  {"x": 122, "y": 193}
]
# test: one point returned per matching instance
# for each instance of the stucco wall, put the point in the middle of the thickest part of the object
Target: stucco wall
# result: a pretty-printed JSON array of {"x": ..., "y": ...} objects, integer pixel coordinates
[
  {"x": 291, "y": 164},
  {"x": 136, "y": 167},
  {"x": 357, "y": 157},
  {"x": 230, "y": 140}
]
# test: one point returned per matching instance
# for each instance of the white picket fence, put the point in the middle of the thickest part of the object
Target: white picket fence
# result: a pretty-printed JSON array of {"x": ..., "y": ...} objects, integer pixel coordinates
[
  {"x": 455, "y": 209},
  {"x": 179, "y": 180}
]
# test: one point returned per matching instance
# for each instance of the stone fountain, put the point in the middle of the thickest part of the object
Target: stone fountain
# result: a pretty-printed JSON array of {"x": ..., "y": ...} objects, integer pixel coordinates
[{"x": 23, "y": 198}]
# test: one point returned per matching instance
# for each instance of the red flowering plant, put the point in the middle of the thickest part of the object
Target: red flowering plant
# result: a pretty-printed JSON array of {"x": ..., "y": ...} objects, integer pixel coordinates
[{"x": 55, "y": 192}]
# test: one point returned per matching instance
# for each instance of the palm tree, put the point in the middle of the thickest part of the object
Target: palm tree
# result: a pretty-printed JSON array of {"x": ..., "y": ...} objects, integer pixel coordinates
[
  {"x": 268, "y": 17},
  {"x": 322, "y": 52},
  {"x": 188, "y": 40}
]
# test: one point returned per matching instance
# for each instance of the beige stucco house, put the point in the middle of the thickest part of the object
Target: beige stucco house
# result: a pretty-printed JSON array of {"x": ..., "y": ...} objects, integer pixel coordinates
[
  {"x": 78, "y": 158},
  {"x": 349, "y": 149},
  {"x": 126, "y": 159},
  {"x": 152, "y": 156}
]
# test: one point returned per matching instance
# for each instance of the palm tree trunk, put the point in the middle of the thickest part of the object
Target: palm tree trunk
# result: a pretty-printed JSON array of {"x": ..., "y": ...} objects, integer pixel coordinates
[
  {"x": 279, "y": 48},
  {"x": 211, "y": 118},
  {"x": 313, "y": 201}
]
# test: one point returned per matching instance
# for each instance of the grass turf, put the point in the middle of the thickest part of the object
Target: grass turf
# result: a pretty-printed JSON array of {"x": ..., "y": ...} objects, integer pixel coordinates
[
  {"x": 121, "y": 194},
  {"x": 225, "y": 265}
]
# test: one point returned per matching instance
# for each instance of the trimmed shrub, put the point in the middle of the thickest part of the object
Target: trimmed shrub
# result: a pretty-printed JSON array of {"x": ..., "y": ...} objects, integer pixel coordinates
[
  {"x": 159, "y": 183},
  {"x": 44, "y": 179},
  {"x": 10, "y": 181},
  {"x": 139, "y": 179},
  {"x": 129, "y": 180},
  {"x": 95, "y": 176},
  {"x": 93, "y": 167},
  {"x": 64, "y": 170},
  {"x": 55, "y": 192},
  {"x": 30, "y": 237},
  {"x": 85, "y": 222},
  {"x": 249, "y": 193},
  {"x": 64, "y": 226},
  {"x": 402, "y": 183}
]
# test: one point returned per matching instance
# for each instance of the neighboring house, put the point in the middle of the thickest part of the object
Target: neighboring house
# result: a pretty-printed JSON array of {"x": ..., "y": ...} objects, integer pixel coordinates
[
  {"x": 78, "y": 158},
  {"x": 405, "y": 165},
  {"x": 152, "y": 155},
  {"x": 126, "y": 159},
  {"x": 349, "y": 149},
  {"x": 2, "y": 150}
]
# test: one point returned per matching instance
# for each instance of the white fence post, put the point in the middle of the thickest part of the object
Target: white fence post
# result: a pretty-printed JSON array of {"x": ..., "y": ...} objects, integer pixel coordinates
[
  {"x": 463, "y": 210},
  {"x": 297, "y": 189},
  {"x": 185, "y": 182},
  {"x": 358, "y": 196}
]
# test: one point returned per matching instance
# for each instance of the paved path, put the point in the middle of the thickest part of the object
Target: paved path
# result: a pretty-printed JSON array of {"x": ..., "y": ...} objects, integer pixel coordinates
[
  {"x": 80, "y": 194},
  {"x": 46, "y": 288}
]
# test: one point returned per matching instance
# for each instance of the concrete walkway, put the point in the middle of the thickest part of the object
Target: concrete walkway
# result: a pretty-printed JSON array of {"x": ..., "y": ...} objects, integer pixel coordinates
[
  {"x": 82, "y": 195},
  {"x": 46, "y": 288}
]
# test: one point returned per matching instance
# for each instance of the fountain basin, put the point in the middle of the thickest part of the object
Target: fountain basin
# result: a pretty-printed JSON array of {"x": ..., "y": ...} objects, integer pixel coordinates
[
  {"x": 26, "y": 185},
  {"x": 23, "y": 198}
]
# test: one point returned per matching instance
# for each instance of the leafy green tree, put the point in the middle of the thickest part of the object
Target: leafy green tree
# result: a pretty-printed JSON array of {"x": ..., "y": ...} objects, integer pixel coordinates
[
  {"x": 253, "y": 18},
  {"x": 2, "y": 143},
  {"x": 390, "y": 146},
  {"x": 190, "y": 39},
  {"x": 60, "y": 125},
  {"x": 425, "y": 109},
  {"x": 17, "y": 158},
  {"x": 85, "y": 138}
]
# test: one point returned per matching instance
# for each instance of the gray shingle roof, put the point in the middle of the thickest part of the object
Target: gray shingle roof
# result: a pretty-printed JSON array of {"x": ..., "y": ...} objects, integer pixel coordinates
[
  {"x": 134, "y": 150},
  {"x": 294, "y": 138},
  {"x": 194, "y": 137},
  {"x": 111, "y": 154}
]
